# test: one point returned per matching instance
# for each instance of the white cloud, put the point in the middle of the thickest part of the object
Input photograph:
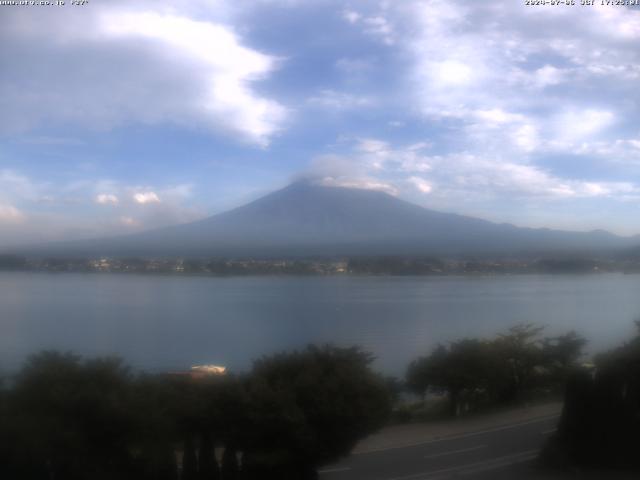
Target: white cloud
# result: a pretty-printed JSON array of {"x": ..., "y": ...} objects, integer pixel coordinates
[
  {"x": 497, "y": 116},
  {"x": 624, "y": 151},
  {"x": 376, "y": 25},
  {"x": 10, "y": 214},
  {"x": 34, "y": 211},
  {"x": 461, "y": 181},
  {"x": 574, "y": 126},
  {"x": 451, "y": 73},
  {"x": 146, "y": 197},
  {"x": 116, "y": 64},
  {"x": 361, "y": 183},
  {"x": 351, "y": 171},
  {"x": 372, "y": 145},
  {"x": 351, "y": 16},
  {"x": 526, "y": 137},
  {"x": 106, "y": 199},
  {"x": 421, "y": 184},
  {"x": 549, "y": 75},
  {"x": 380, "y": 26},
  {"x": 474, "y": 177},
  {"x": 373, "y": 155},
  {"x": 517, "y": 80}
]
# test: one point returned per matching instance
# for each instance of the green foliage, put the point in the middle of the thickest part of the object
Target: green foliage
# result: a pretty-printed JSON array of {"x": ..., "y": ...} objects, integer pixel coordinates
[
  {"x": 65, "y": 417},
  {"x": 69, "y": 417},
  {"x": 314, "y": 405},
  {"x": 474, "y": 371}
]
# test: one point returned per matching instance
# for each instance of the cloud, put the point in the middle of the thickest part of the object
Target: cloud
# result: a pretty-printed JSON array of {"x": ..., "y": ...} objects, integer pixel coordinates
[
  {"x": 351, "y": 16},
  {"x": 526, "y": 137},
  {"x": 34, "y": 211},
  {"x": 380, "y": 26},
  {"x": 526, "y": 79},
  {"x": 333, "y": 166},
  {"x": 380, "y": 155},
  {"x": 451, "y": 73},
  {"x": 344, "y": 171},
  {"x": 549, "y": 75},
  {"x": 469, "y": 176},
  {"x": 578, "y": 125},
  {"x": 116, "y": 64},
  {"x": 10, "y": 214},
  {"x": 460, "y": 181},
  {"x": 106, "y": 199},
  {"x": 146, "y": 197},
  {"x": 375, "y": 25},
  {"x": 620, "y": 151},
  {"x": 473, "y": 176},
  {"x": 361, "y": 183},
  {"x": 373, "y": 164},
  {"x": 420, "y": 184}
]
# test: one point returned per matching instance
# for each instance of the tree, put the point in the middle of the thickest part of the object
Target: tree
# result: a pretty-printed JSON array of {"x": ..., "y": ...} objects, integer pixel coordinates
[
  {"x": 462, "y": 371},
  {"x": 71, "y": 418},
  {"x": 505, "y": 369},
  {"x": 427, "y": 373},
  {"x": 156, "y": 430},
  {"x": 309, "y": 408},
  {"x": 561, "y": 355},
  {"x": 519, "y": 352},
  {"x": 600, "y": 421}
]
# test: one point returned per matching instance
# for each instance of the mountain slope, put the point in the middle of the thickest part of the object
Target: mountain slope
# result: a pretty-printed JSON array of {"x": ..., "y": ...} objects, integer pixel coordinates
[{"x": 307, "y": 219}]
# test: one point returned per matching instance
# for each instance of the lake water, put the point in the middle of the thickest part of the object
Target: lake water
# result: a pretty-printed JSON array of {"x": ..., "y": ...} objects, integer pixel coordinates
[{"x": 169, "y": 322}]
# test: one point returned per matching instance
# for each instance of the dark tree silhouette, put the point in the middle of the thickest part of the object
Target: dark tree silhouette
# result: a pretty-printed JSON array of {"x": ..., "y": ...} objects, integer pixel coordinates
[
  {"x": 503, "y": 370},
  {"x": 208, "y": 466},
  {"x": 71, "y": 418},
  {"x": 230, "y": 466},
  {"x": 600, "y": 423},
  {"x": 310, "y": 407}
]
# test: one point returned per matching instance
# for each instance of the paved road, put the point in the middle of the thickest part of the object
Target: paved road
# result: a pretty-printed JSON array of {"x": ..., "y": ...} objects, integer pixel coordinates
[{"x": 503, "y": 452}]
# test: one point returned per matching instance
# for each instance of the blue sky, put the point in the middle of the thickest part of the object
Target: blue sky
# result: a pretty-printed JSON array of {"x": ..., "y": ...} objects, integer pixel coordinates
[{"x": 122, "y": 116}]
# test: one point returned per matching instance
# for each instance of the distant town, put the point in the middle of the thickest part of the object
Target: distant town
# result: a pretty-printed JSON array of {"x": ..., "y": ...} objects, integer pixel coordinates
[{"x": 395, "y": 265}]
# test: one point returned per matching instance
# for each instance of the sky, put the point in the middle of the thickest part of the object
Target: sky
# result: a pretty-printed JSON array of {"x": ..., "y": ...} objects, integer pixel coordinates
[{"x": 122, "y": 116}]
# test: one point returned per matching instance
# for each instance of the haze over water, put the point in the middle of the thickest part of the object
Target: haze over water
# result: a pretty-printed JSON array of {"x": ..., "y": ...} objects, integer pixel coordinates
[{"x": 171, "y": 322}]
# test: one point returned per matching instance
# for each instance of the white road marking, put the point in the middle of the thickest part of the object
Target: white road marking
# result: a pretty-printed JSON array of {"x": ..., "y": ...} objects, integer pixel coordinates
[
  {"x": 547, "y": 432},
  {"x": 334, "y": 470},
  {"x": 463, "y": 435},
  {"x": 453, "y": 452},
  {"x": 476, "y": 467}
]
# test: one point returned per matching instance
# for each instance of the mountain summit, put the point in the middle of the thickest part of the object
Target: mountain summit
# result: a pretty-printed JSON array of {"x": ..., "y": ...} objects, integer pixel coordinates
[{"x": 306, "y": 219}]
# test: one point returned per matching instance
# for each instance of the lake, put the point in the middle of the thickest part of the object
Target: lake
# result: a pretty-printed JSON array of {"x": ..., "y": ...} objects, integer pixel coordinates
[{"x": 171, "y": 322}]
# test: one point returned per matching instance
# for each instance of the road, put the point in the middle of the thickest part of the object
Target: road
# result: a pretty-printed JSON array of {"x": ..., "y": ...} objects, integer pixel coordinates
[{"x": 501, "y": 452}]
